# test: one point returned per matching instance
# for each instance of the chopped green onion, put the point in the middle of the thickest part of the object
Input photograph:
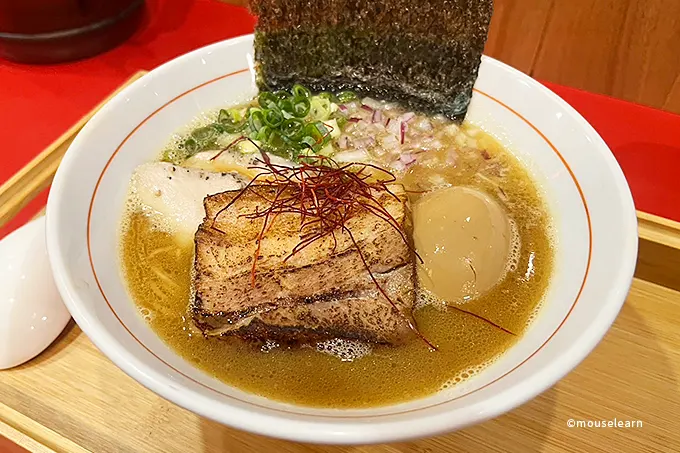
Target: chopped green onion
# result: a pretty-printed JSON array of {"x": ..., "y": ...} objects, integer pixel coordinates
[
  {"x": 291, "y": 128},
  {"x": 256, "y": 119},
  {"x": 346, "y": 96},
  {"x": 315, "y": 134},
  {"x": 320, "y": 108},
  {"x": 203, "y": 134},
  {"x": 273, "y": 117},
  {"x": 300, "y": 92},
  {"x": 232, "y": 120},
  {"x": 307, "y": 152},
  {"x": 313, "y": 130},
  {"x": 327, "y": 150},
  {"x": 301, "y": 107},
  {"x": 309, "y": 141},
  {"x": 275, "y": 140},
  {"x": 175, "y": 156},
  {"x": 219, "y": 128},
  {"x": 341, "y": 120},
  {"x": 322, "y": 128},
  {"x": 292, "y": 124},
  {"x": 264, "y": 133},
  {"x": 224, "y": 116},
  {"x": 287, "y": 108},
  {"x": 191, "y": 146},
  {"x": 267, "y": 100}
]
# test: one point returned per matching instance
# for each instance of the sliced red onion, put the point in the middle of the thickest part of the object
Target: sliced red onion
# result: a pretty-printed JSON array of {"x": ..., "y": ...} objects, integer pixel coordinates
[
  {"x": 363, "y": 142},
  {"x": 352, "y": 106},
  {"x": 372, "y": 103},
  {"x": 367, "y": 108},
  {"x": 390, "y": 142},
  {"x": 394, "y": 127},
  {"x": 361, "y": 128},
  {"x": 354, "y": 120},
  {"x": 343, "y": 108},
  {"x": 404, "y": 126},
  {"x": 379, "y": 127},
  {"x": 407, "y": 159},
  {"x": 377, "y": 116},
  {"x": 406, "y": 117},
  {"x": 387, "y": 123},
  {"x": 424, "y": 144}
]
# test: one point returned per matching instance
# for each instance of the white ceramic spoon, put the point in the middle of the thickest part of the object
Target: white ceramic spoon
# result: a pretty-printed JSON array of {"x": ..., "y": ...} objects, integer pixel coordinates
[{"x": 32, "y": 314}]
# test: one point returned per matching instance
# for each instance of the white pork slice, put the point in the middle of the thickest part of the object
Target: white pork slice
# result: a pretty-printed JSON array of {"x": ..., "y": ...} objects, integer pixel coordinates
[{"x": 175, "y": 194}]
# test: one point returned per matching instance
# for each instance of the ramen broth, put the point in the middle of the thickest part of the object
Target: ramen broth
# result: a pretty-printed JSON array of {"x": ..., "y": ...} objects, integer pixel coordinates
[{"x": 341, "y": 374}]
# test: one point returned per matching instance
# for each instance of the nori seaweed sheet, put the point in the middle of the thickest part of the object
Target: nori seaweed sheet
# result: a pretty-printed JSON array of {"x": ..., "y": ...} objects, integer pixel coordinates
[{"x": 424, "y": 54}]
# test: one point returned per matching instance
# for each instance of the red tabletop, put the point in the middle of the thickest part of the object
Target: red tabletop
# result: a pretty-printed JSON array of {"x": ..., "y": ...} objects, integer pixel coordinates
[{"x": 39, "y": 103}]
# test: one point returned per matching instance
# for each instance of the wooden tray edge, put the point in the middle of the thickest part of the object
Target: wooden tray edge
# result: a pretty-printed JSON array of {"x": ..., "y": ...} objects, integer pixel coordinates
[
  {"x": 658, "y": 250},
  {"x": 658, "y": 229},
  {"x": 33, "y": 436}
]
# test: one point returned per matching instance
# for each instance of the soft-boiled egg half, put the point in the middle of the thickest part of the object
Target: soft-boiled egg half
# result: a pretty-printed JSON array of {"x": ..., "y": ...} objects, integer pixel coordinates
[{"x": 464, "y": 238}]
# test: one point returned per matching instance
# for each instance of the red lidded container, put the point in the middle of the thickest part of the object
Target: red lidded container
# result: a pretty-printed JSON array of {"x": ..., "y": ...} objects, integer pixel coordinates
[{"x": 52, "y": 31}]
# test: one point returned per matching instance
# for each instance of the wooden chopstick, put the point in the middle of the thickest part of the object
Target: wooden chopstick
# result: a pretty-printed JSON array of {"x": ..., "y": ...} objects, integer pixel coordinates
[{"x": 37, "y": 175}]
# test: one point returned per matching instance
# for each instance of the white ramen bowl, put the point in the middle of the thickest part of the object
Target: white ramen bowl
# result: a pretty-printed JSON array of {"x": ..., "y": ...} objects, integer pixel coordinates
[{"x": 594, "y": 225}]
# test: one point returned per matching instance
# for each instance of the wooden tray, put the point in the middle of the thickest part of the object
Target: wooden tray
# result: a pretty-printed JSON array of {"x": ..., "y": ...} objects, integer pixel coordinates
[{"x": 73, "y": 399}]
